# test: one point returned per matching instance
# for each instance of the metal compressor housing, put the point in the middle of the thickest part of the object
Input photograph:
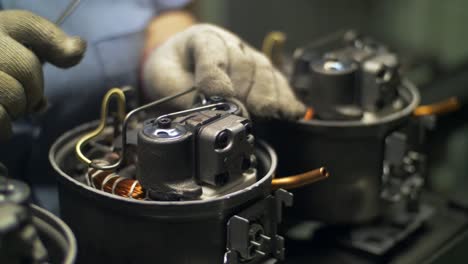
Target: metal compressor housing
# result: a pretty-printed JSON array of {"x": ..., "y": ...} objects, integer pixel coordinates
[
  {"x": 352, "y": 150},
  {"x": 114, "y": 229}
]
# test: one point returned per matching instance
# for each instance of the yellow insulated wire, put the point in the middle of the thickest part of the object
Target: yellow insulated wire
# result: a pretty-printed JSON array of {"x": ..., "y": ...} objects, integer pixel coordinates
[
  {"x": 273, "y": 47},
  {"x": 120, "y": 97}
]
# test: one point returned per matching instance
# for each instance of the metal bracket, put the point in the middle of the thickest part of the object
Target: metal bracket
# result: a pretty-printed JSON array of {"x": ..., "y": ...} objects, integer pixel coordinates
[
  {"x": 252, "y": 233},
  {"x": 283, "y": 198}
]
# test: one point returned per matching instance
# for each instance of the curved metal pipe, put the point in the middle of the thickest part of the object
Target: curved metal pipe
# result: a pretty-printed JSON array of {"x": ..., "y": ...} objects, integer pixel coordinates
[
  {"x": 449, "y": 105},
  {"x": 299, "y": 180}
]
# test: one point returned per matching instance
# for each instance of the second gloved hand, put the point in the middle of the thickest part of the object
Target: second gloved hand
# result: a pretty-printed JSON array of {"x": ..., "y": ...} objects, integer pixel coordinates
[
  {"x": 219, "y": 63},
  {"x": 27, "y": 40}
]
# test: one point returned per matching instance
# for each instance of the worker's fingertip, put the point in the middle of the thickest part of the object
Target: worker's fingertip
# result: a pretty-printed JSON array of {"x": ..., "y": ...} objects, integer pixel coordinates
[
  {"x": 300, "y": 109},
  {"x": 74, "y": 45},
  {"x": 294, "y": 111},
  {"x": 71, "y": 53}
]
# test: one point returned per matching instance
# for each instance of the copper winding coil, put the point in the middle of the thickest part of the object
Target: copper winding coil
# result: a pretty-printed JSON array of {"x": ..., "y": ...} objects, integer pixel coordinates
[
  {"x": 111, "y": 182},
  {"x": 446, "y": 106},
  {"x": 299, "y": 180}
]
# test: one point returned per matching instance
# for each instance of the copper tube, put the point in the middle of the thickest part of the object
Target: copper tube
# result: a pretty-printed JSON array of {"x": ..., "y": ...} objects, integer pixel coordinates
[
  {"x": 299, "y": 180},
  {"x": 446, "y": 106},
  {"x": 309, "y": 115}
]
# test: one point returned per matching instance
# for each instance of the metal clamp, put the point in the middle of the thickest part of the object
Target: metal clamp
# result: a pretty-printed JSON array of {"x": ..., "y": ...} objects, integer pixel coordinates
[{"x": 252, "y": 234}]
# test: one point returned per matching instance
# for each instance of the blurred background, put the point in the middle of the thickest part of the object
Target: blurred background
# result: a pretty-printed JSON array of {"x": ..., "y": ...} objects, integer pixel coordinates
[{"x": 431, "y": 37}]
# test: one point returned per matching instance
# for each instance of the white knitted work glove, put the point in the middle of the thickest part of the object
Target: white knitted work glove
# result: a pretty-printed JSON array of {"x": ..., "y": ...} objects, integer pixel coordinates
[
  {"x": 26, "y": 40},
  {"x": 218, "y": 62}
]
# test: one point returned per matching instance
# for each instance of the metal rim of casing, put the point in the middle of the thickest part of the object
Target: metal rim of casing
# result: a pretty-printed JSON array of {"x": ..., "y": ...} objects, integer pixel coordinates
[
  {"x": 49, "y": 225},
  {"x": 65, "y": 144},
  {"x": 415, "y": 99}
]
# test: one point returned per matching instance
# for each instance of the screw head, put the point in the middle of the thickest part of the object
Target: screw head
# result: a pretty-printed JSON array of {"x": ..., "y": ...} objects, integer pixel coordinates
[{"x": 164, "y": 122}]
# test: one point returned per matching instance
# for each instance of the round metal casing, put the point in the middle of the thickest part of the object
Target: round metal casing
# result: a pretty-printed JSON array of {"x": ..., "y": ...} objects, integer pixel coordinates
[
  {"x": 56, "y": 236},
  {"x": 114, "y": 229},
  {"x": 353, "y": 152}
]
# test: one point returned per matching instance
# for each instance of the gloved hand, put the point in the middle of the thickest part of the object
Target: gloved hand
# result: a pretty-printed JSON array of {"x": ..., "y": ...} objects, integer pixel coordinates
[
  {"x": 27, "y": 40},
  {"x": 219, "y": 63}
]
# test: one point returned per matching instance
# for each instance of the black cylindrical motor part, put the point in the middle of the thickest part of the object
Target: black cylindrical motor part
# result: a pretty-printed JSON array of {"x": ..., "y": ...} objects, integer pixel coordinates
[
  {"x": 114, "y": 229},
  {"x": 334, "y": 86},
  {"x": 165, "y": 161}
]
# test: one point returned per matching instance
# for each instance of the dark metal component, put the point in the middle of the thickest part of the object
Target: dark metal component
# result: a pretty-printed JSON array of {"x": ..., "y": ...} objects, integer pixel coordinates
[
  {"x": 379, "y": 238},
  {"x": 165, "y": 162},
  {"x": 29, "y": 234},
  {"x": 14, "y": 191},
  {"x": 395, "y": 148},
  {"x": 352, "y": 148},
  {"x": 127, "y": 119},
  {"x": 208, "y": 146},
  {"x": 12, "y": 216},
  {"x": 335, "y": 92},
  {"x": 346, "y": 76},
  {"x": 113, "y": 229},
  {"x": 164, "y": 122},
  {"x": 19, "y": 241},
  {"x": 284, "y": 198},
  {"x": 222, "y": 140},
  {"x": 222, "y": 147},
  {"x": 230, "y": 105},
  {"x": 252, "y": 233},
  {"x": 442, "y": 238},
  {"x": 56, "y": 236},
  {"x": 215, "y": 106},
  {"x": 238, "y": 235},
  {"x": 380, "y": 80},
  {"x": 353, "y": 152}
]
